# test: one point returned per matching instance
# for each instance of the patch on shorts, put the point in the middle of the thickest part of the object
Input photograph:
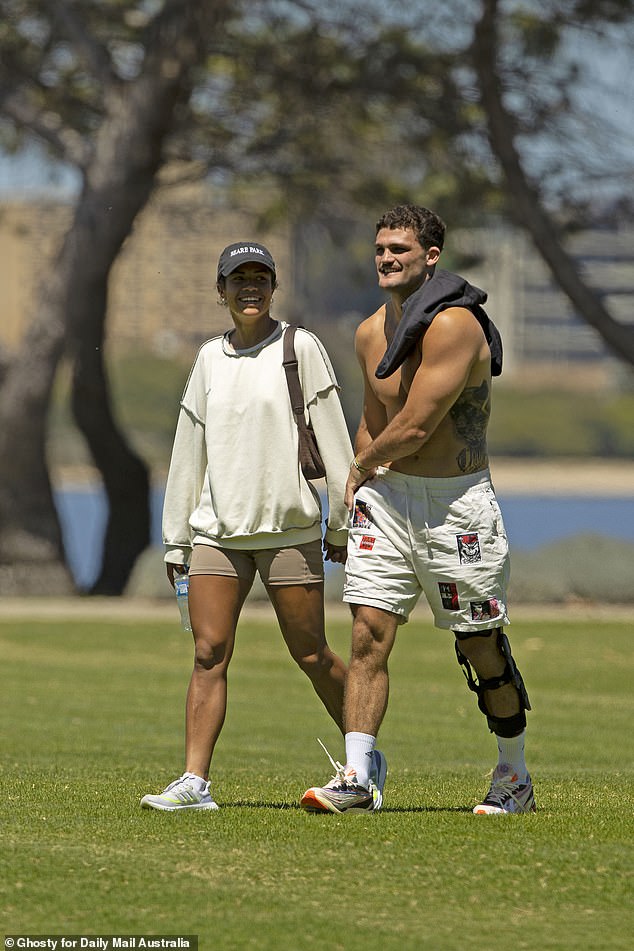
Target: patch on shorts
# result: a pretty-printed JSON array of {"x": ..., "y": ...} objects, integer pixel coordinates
[
  {"x": 484, "y": 610},
  {"x": 449, "y": 595},
  {"x": 367, "y": 542},
  {"x": 361, "y": 517},
  {"x": 469, "y": 548}
]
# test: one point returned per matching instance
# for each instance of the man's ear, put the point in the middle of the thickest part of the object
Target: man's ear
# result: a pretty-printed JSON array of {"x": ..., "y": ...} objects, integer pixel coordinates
[{"x": 433, "y": 255}]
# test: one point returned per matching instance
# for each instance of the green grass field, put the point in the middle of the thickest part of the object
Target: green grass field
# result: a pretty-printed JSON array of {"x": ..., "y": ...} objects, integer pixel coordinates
[{"x": 92, "y": 718}]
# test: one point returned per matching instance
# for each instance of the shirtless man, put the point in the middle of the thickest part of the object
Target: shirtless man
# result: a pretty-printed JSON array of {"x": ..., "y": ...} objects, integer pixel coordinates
[{"x": 424, "y": 514}]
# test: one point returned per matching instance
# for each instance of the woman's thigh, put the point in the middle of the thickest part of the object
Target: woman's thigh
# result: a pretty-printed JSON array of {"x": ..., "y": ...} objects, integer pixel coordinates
[
  {"x": 300, "y": 613},
  {"x": 215, "y": 602}
]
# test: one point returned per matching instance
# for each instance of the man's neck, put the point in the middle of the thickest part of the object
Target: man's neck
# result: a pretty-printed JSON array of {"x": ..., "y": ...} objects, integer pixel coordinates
[{"x": 398, "y": 298}]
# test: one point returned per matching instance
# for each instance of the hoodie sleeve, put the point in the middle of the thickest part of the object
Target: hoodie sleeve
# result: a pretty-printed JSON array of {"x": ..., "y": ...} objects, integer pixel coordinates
[
  {"x": 321, "y": 397},
  {"x": 188, "y": 466}
]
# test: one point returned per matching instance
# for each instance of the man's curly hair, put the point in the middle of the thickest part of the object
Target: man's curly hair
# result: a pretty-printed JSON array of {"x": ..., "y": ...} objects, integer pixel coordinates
[{"x": 427, "y": 226}]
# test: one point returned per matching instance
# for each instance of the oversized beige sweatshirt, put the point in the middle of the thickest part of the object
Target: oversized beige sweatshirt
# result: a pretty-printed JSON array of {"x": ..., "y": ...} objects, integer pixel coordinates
[{"x": 234, "y": 478}]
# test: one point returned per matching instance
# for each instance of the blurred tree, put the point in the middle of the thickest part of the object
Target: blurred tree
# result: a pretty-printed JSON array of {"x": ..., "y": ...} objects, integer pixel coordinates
[
  {"x": 100, "y": 83},
  {"x": 534, "y": 38}
]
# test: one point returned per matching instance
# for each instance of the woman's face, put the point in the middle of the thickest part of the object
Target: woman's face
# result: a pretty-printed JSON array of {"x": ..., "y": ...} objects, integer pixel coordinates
[{"x": 248, "y": 291}]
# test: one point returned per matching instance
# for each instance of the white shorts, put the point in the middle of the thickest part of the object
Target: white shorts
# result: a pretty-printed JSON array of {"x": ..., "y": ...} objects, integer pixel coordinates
[{"x": 443, "y": 537}]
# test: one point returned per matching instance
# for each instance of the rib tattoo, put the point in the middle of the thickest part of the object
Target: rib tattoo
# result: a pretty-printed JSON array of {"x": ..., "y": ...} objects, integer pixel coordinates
[{"x": 470, "y": 415}]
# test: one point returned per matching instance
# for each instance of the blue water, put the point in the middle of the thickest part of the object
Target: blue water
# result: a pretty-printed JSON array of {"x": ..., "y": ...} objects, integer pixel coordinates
[{"x": 530, "y": 521}]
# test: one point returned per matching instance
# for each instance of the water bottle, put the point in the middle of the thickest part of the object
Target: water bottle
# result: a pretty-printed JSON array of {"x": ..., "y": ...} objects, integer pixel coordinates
[{"x": 181, "y": 587}]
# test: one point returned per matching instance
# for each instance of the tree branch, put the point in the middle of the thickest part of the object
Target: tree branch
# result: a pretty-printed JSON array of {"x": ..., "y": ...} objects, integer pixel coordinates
[
  {"x": 95, "y": 54},
  {"x": 527, "y": 205},
  {"x": 48, "y": 126}
]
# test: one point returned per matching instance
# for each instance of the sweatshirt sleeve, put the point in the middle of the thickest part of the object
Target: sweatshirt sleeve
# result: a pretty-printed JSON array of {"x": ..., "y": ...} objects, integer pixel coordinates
[
  {"x": 187, "y": 470},
  {"x": 321, "y": 396}
]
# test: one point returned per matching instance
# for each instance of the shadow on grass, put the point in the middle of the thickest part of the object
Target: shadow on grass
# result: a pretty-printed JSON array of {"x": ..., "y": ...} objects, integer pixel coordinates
[{"x": 245, "y": 804}]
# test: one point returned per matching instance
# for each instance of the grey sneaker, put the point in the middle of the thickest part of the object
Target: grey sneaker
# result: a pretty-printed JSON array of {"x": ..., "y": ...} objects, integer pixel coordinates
[
  {"x": 183, "y": 793},
  {"x": 343, "y": 793},
  {"x": 507, "y": 794},
  {"x": 339, "y": 795}
]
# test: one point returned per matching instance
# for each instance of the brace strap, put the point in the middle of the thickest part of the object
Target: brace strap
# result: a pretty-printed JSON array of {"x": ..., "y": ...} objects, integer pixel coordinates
[{"x": 502, "y": 726}]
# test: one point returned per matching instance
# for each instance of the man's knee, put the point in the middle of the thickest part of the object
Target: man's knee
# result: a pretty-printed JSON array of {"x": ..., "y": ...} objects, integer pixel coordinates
[
  {"x": 373, "y": 633},
  {"x": 502, "y": 726}
]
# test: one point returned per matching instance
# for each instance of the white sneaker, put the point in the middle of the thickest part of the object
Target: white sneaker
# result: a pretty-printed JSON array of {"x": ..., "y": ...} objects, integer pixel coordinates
[
  {"x": 507, "y": 794},
  {"x": 188, "y": 792}
]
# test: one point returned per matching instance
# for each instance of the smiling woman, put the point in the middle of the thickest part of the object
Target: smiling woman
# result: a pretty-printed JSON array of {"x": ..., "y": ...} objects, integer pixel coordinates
[{"x": 237, "y": 502}]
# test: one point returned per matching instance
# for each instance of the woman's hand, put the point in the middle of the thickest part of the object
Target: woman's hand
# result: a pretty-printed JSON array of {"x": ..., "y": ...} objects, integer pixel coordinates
[
  {"x": 335, "y": 553},
  {"x": 172, "y": 569}
]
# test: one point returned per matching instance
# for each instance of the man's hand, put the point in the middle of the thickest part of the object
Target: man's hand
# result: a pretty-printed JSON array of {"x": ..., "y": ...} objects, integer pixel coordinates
[{"x": 356, "y": 478}]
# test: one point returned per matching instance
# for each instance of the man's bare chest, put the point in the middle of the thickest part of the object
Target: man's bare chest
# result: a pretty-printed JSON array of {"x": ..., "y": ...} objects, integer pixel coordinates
[{"x": 392, "y": 391}]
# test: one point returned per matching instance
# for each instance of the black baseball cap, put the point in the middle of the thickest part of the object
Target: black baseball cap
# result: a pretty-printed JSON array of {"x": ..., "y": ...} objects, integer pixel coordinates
[{"x": 244, "y": 252}]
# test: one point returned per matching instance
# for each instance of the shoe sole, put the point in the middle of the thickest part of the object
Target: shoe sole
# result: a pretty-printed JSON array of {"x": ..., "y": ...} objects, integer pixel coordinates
[
  {"x": 311, "y": 801},
  {"x": 498, "y": 811},
  {"x": 146, "y": 804}
]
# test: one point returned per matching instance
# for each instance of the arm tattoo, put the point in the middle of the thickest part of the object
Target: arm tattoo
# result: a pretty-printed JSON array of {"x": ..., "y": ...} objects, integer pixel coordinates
[{"x": 470, "y": 415}]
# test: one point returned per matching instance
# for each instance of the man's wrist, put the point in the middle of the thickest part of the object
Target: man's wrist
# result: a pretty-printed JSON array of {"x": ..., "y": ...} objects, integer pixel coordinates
[{"x": 356, "y": 465}]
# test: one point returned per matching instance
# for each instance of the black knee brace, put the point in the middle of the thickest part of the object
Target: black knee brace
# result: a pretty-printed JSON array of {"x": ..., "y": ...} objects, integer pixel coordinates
[{"x": 502, "y": 726}]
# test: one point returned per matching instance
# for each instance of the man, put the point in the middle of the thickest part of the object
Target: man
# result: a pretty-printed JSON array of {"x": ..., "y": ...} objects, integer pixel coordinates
[{"x": 424, "y": 513}]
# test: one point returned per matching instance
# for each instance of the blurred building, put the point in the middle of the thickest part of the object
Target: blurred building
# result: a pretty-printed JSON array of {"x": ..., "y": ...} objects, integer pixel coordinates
[
  {"x": 162, "y": 291},
  {"x": 163, "y": 295},
  {"x": 543, "y": 336}
]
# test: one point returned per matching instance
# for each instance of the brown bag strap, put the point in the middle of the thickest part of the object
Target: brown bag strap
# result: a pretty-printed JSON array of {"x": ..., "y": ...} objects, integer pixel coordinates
[
  {"x": 291, "y": 368},
  {"x": 310, "y": 460}
]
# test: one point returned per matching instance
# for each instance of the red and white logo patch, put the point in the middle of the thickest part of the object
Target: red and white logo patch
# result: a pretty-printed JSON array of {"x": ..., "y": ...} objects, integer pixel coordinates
[
  {"x": 367, "y": 542},
  {"x": 469, "y": 548}
]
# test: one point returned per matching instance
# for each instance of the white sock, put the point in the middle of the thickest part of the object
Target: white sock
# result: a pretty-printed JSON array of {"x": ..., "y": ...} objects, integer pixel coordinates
[
  {"x": 511, "y": 751},
  {"x": 359, "y": 747}
]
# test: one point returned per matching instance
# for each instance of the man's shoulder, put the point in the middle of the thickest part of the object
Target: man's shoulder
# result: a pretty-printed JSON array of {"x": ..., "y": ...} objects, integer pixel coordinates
[
  {"x": 372, "y": 325},
  {"x": 456, "y": 319}
]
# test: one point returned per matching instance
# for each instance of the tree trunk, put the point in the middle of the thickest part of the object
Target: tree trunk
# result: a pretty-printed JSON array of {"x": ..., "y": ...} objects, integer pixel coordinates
[
  {"x": 125, "y": 476},
  {"x": 527, "y": 206},
  {"x": 31, "y": 549}
]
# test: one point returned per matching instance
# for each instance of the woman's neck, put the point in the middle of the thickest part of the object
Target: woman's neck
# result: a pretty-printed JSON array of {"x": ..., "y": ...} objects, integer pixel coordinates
[{"x": 248, "y": 333}]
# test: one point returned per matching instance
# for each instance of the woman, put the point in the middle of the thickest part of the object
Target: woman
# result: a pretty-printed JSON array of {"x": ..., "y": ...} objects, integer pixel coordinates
[{"x": 236, "y": 501}]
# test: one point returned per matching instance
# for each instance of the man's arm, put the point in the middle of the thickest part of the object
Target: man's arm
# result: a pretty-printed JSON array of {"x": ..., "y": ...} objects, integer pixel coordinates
[{"x": 374, "y": 416}]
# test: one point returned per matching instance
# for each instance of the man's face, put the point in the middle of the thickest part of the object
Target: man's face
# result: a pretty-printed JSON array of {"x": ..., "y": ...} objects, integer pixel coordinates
[{"x": 402, "y": 264}]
